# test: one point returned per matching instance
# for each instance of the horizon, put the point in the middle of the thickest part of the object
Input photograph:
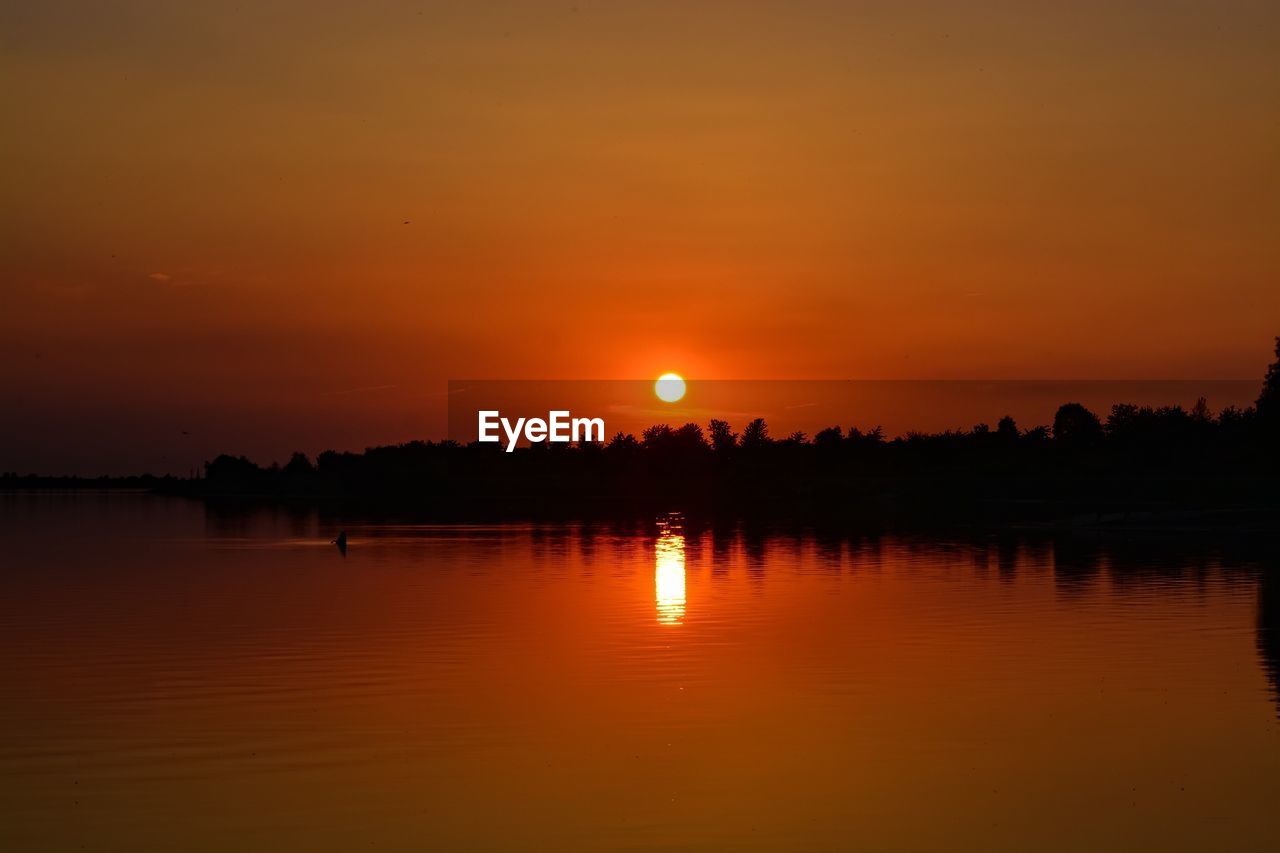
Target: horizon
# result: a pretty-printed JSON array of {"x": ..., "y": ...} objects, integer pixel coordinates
[{"x": 927, "y": 407}]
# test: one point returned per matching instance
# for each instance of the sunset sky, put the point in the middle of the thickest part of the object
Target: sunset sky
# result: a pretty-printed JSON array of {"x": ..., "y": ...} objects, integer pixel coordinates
[{"x": 287, "y": 225}]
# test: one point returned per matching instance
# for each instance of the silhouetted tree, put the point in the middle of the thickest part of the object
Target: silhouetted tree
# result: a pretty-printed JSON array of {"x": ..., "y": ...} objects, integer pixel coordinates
[
  {"x": 857, "y": 436},
  {"x": 829, "y": 438},
  {"x": 723, "y": 439},
  {"x": 1235, "y": 421},
  {"x": 622, "y": 442},
  {"x": 1268, "y": 405},
  {"x": 1076, "y": 426},
  {"x": 298, "y": 473},
  {"x": 1036, "y": 434},
  {"x": 234, "y": 474},
  {"x": 689, "y": 438},
  {"x": 656, "y": 436},
  {"x": 756, "y": 434},
  {"x": 298, "y": 466}
]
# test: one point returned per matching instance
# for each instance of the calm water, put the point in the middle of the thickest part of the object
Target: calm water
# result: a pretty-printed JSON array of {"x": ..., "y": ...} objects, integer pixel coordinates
[{"x": 180, "y": 680}]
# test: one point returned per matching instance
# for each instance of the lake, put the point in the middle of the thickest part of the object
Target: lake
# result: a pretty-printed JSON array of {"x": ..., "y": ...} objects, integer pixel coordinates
[{"x": 177, "y": 677}]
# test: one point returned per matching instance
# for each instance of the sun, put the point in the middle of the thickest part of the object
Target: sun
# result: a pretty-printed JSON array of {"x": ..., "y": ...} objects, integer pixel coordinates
[{"x": 669, "y": 387}]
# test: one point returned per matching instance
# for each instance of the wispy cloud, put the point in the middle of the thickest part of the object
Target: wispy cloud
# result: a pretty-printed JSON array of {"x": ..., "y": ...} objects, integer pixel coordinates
[{"x": 359, "y": 390}]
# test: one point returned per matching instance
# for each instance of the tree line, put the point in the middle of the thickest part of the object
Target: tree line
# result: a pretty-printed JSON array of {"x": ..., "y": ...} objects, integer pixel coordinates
[{"x": 1134, "y": 459}]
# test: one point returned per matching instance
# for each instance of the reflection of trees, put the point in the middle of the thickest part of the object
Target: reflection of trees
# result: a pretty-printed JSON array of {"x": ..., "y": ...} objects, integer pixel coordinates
[
  {"x": 1007, "y": 558},
  {"x": 753, "y": 550},
  {"x": 722, "y": 541},
  {"x": 1076, "y": 563},
  {"x": 1268, "y": 638}
]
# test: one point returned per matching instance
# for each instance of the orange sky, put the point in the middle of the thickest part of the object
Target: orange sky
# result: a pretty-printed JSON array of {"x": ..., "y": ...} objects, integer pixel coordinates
[{"x": 204, "y": 213}]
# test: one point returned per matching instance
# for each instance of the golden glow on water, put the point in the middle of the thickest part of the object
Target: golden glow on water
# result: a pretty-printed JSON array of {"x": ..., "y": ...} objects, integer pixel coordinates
[
  {"x": 668, "y": 577},
  {"x": 516, "y": 687}
]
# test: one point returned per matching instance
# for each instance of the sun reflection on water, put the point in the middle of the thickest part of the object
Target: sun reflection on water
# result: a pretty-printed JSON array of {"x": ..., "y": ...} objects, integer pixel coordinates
[{"x": 668, "y": 574}]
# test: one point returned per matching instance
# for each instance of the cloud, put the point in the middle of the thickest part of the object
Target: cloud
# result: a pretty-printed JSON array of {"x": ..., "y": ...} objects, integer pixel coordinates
[
  {"x": 160, "y": 276},
  {"x": 360, "y": 390},
  {"x": 58, "y": 288}
]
